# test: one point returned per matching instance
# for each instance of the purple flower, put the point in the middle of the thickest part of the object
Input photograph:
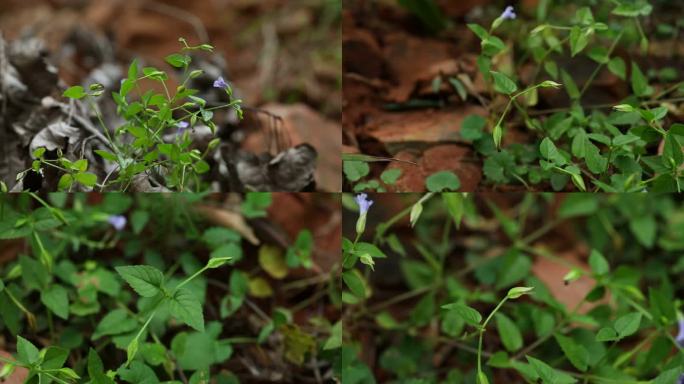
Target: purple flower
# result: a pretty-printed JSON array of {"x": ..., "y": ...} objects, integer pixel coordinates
[
  {"x": 681, "y": 379},
  {"x": 508, "y": 13},
  {"x": 182, "y": 126},
  {"x": 220, "y": 83},
  {"x": 117, "y": 221},
  {"x": 680, "y": 335},
  {"x": 363, "y": 203}
]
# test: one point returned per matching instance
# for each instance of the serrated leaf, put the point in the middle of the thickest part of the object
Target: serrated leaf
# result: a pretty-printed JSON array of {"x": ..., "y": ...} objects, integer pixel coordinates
[
  {"x": 147, "y": 281},
  {"x": 627, "y": 325},
  {"x": 55, "y": 297},
  {"x": 186, "y": 307},
  {"x": 503, "y": 83},
  {"x": 468, "y": 314},
  {"x": 508, "y": 332}
]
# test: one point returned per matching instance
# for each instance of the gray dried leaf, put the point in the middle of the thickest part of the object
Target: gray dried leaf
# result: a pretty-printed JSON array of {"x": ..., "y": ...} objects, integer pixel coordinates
[{"x": 54, "y": 136}]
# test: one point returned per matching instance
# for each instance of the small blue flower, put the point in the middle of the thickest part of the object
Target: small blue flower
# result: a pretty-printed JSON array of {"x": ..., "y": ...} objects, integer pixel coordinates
[
  {"x": 680, "y": 335},
  {"x": 508, "y": 13},
  {"x": 117, "y": 221},
  {"x": 220, "y": 83},
  {"x": 363, "y": 203},
  {"x": 681, "y": 379},
  {"x": 182, "y": 126}
]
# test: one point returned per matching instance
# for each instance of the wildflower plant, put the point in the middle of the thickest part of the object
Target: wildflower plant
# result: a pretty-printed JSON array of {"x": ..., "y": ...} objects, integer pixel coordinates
[
  {"x": 142, "y": 145},
  {"x": 123, "y": 289},
  {"x": 632, "y": 147},
  {"x": 460, "y": 298}
]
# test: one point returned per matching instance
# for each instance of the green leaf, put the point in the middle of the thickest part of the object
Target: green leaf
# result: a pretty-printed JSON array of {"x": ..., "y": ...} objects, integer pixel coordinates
[
  {"x": 443, "y": 180},
  {"x": 187, "y": 308},
  {"x": 644, "y": 228},
  {"x": 627, "y": 325},
  {"x": 76, "y": 92},
  {"x": 177, "y": 60},
  {"x": 599, "y": 265},
  {"x": 145, "y": 280},
  {"x": 503, "y": 83},
  {"x": 549, "y": 151},
  {"x": 455, "y": 206},
  {"x": 86, "y": 178},
  {"x": 576, "y": 353},
  {"x": 335, "y": 339},
  {"x": 27, "y": 353},
  {"x": 549, "y": 375},
  {"x": 618, "y": 67},
  {"x": 54, "y": 357},
  {"x": 508, "y": 332},
  {"x": 479, "y": 31},
  {"x": 606, "y": 334},
  {"x": 633, "y": 9},
  {"x": 354, "y": 282},
  {"x": 570, "y": 85},
  {"x": 468, "y": 314},
  {"x": 672, "y": 151},
  {"x": 516, "y": 292},
  {"x": 579, "y": 39},
  {"x": 355, "y": 170},
  {"x": 390, "y": 176},
  {"x": 639, "y": 82},
  {"x": 56, "y": 299},
  {"x": 578, "y": 204},
  {"x": 115, "y": 322},
  {"x": 472, "y": 127},
  {"x": 65, "y": 182},
  {"x": 96, "y": 369}
]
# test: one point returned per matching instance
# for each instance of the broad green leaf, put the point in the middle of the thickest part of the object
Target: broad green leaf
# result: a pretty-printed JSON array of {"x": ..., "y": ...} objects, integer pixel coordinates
[
  {"x": 606, "y": 334},
  {"x": 54, "y": 357},
  {"x": 86, "y": 178},
  {"x": 644, "y": 228},
  {"x": 639, "y": 82},
  {"x": 468, "y": 314},
  {"x": 145, "y": 280},
  {"x": 579, "y": 38},
  {"x": 576, "y": 353},
  {"x": 335, "y": 339},
  {"x": 508, "y": 332},
  {"x": 115, "y": 322},
  {"x": 75, "y": 92},
  {"x": 390, "y": 176},
  {"x": 503, "y": 83},
  {"x": 472, "y": 127},
  {"x": 570, "y": 85},
  {"x": 455, "y": 206},
  {"x": 27, "y": 352},
  {"x": 599, "y": 265},
  {"x": 355, "y": 283},
  {"x": 55, "y": 297},
  {"x": 627, "y": 325},
  {"x": 355, "y": 170},
  {"x": 618, "y": 67},
  {"x": 441, "y": 181},
  {"x": 177, "y": 60},
  {"x": 548, "y": 374},
  {"x": 187, "y": 308}
]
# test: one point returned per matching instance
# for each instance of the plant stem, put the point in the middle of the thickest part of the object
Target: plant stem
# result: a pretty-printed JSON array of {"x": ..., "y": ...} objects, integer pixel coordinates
[{"x": 482, "y": 331}]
